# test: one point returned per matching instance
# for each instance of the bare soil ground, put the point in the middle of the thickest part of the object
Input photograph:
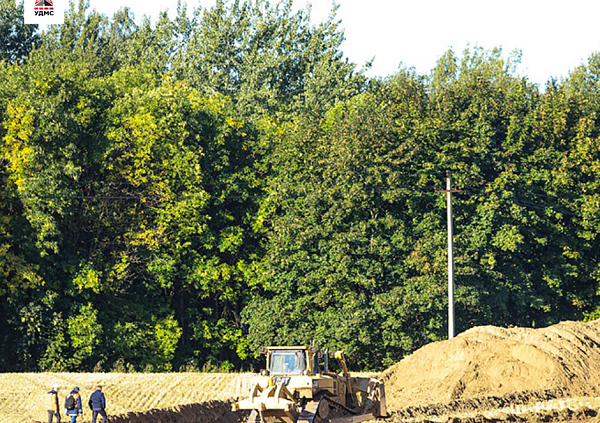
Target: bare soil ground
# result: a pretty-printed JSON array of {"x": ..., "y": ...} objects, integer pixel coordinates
[{"x": 484, "y": 375}]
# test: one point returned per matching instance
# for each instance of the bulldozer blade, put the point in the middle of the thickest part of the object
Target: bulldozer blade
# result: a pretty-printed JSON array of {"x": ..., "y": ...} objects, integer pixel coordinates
[{"x": 382, "y": 404}]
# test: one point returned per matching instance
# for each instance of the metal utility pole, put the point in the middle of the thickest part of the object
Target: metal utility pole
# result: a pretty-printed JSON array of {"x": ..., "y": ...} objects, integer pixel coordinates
[{"x": 449, "y": 192}]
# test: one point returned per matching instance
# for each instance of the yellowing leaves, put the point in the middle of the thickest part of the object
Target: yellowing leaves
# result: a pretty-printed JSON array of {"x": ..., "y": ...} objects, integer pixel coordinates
[
  {"x": 151, "y": 238},
  {"x": 120, "y": 269},
  {"x": 16, "y": 148},
  {"x": 231, "y": 239},
  {"x": 508, "y": 238},
  {"x": 167, "y": 332},
  {"x": 137, "y": 140},
  {"x": 88, "y": 278},
  {"x": 85, "y": 330},
  {"x": 16, "y": 273}
]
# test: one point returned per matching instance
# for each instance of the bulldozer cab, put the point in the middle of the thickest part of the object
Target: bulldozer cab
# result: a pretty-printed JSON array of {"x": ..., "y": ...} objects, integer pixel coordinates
[
  {"x": 298, "y": 360},
  {"x": 287, "y": 362}
]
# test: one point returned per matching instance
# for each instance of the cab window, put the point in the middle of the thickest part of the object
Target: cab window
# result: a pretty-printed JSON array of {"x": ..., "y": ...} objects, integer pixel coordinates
[{"x": 287, "y": 362}]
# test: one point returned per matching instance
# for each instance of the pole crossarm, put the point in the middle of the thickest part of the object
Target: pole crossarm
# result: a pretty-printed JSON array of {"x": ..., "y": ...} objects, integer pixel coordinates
[{"x": 450, "y": 190}]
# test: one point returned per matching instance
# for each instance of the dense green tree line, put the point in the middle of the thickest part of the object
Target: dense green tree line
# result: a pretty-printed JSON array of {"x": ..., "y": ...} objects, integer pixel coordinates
[{"x": 176, "y": 194}]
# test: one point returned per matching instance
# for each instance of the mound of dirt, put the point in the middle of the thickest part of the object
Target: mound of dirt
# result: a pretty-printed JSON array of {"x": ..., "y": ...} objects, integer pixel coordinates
[{"x": 495, "y": 364}]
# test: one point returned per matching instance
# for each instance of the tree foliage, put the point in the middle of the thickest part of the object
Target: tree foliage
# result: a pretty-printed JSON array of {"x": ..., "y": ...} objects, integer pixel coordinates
[
  {"x": 267, "y": 58},
  {"x": 16, "y": 38},
  {"x": 176, "y": 194},
  {"x": 357, "y": 251}
]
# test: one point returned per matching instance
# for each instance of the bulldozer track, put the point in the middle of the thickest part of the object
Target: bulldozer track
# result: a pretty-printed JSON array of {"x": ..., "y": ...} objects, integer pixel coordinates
[{"x": 338, "y": 405}]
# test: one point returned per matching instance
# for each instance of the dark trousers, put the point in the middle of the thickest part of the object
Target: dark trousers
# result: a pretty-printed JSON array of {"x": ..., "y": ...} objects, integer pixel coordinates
[
  {"x": 52, "y": 414},
  {"x": 95, "y": 414}
]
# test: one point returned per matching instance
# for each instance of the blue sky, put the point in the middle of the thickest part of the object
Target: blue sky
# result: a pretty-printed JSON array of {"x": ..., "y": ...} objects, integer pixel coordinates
[{"x": 554, "y": 36}]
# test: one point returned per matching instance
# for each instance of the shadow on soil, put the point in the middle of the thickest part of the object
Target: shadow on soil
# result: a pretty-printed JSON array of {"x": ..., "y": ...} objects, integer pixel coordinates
[{"x": 206, "y": 412}]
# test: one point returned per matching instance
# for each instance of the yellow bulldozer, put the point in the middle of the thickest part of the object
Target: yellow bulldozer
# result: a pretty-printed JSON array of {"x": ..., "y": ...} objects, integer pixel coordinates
[{"x": 298, "y": 386}]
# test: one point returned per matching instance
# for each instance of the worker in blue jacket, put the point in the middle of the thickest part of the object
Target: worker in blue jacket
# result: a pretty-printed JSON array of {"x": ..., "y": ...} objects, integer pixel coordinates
[
  {"x": 73, "y": 406},
  {"x": 97, "y": 403}
]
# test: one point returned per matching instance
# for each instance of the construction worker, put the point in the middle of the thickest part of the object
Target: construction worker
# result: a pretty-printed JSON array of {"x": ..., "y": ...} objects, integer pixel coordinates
[
  {"x": 53, "y": 409},
  {"x": 97, "y": 403}
]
